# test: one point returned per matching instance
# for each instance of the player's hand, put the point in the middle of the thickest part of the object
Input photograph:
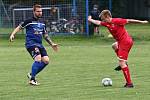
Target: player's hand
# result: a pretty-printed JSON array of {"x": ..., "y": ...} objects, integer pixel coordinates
[
  {"x": 11, "y": 38},
  {"x": 55, "y": 47},
  {"x": 89, "y": 18},
  {"x": 144, "y": 22}
]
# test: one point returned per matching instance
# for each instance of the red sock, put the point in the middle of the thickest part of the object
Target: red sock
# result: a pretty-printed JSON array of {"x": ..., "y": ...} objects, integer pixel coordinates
[{"x": 126, "y": 73}]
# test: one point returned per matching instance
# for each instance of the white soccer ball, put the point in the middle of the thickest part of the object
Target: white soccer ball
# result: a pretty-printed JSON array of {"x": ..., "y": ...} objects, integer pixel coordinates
[{"x": 106, "y": 82}]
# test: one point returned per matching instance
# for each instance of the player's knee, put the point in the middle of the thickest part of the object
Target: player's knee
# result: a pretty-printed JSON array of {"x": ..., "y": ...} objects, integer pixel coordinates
[
  {"x": 115, "y": 46},
  {"x": 46, "y": 60},
  {"x": 38, "y": 58},
  {"x": 122, "y": 63}
]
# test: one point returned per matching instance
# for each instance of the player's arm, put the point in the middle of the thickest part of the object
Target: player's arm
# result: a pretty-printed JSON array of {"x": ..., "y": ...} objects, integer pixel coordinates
[
  {"x": 12, "y": 35},
  {"x": 136, "y": 21},
  {"x": 50, "y": 42},
  {"x": 17, "y": 29},
  {"x": 96, "y": 22}
]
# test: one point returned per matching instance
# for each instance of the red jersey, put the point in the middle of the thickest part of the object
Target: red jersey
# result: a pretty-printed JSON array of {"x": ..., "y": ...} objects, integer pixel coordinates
[{"x": 117, "y": 29}]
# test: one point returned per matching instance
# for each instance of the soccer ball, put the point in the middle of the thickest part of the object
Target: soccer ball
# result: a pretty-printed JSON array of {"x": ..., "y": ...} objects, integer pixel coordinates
[{"x": 107, "y": 82}]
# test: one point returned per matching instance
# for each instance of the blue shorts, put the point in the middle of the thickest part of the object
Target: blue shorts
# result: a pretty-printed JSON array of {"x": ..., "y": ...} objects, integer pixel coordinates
[{"x": 35, "y": 50}]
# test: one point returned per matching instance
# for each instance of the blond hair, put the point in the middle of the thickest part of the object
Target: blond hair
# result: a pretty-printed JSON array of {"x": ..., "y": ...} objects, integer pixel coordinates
[{"x": 105, "y": 13}]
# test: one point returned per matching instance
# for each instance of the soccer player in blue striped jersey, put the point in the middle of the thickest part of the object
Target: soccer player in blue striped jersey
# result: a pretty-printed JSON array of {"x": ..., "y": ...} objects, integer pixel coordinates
[{"x": 35, "y": 30}]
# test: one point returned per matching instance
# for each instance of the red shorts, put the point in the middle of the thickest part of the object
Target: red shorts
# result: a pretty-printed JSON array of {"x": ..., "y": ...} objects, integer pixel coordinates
[{"x": 124, "y": 47}]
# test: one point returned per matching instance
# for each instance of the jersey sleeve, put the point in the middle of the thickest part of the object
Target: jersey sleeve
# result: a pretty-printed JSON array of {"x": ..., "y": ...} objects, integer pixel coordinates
[
  {"x": 103, "y": 23},
  {"x": 24, "y": 24},
  {"x": 120, "y": 21}
]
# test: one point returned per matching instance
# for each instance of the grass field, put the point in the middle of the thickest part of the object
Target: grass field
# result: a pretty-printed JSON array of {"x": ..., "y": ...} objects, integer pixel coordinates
[{"x": 75, "y": 72}]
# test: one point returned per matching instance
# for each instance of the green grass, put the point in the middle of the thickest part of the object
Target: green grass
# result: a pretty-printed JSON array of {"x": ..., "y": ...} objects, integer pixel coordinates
[
  {"x": 137, "y": 31},
  {"x": 75, "y": 72}
]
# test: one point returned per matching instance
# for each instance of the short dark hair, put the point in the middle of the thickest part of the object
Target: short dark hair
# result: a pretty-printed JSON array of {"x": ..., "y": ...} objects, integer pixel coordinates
[
  {"x": 36, "y": 6},
  {"x": 95, "y": 6}
]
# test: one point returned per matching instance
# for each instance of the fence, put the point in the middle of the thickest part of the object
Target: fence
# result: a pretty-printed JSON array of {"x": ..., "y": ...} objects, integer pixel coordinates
[
  {"x": 62, "y": 16},
  {"x": 68, "y": 16}
]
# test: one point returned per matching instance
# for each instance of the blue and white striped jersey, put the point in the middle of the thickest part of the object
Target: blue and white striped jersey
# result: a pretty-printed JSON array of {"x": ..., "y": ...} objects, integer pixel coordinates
[{"x": 35, "y": 28}]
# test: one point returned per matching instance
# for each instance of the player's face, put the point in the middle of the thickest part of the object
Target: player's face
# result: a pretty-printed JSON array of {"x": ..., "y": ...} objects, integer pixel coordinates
[
  {"x": 38, "y": 12},
  {"x": 106, "y": 18}
]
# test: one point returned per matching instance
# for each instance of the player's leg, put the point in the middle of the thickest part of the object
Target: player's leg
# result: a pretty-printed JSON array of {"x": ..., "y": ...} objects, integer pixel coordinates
[
  {"x": 126, "y": 73},
  {"x": 123, "y": 56},
  {"x": 115, "y": 47},
  {"x": 35, "y": 66},
  {"x": 99, "y": 31},
  {"x": 36, "y": 55},
  {"x": 44, "y": 60},
  {"x": 95, "y": 30}
]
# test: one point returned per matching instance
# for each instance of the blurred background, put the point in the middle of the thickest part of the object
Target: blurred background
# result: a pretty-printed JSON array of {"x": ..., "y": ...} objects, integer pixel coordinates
[{"x": 68, "y": 16}]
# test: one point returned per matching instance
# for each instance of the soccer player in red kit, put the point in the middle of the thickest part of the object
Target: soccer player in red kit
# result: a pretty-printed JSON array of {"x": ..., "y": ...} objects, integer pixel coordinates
[{"x": 123, "y": 42}]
